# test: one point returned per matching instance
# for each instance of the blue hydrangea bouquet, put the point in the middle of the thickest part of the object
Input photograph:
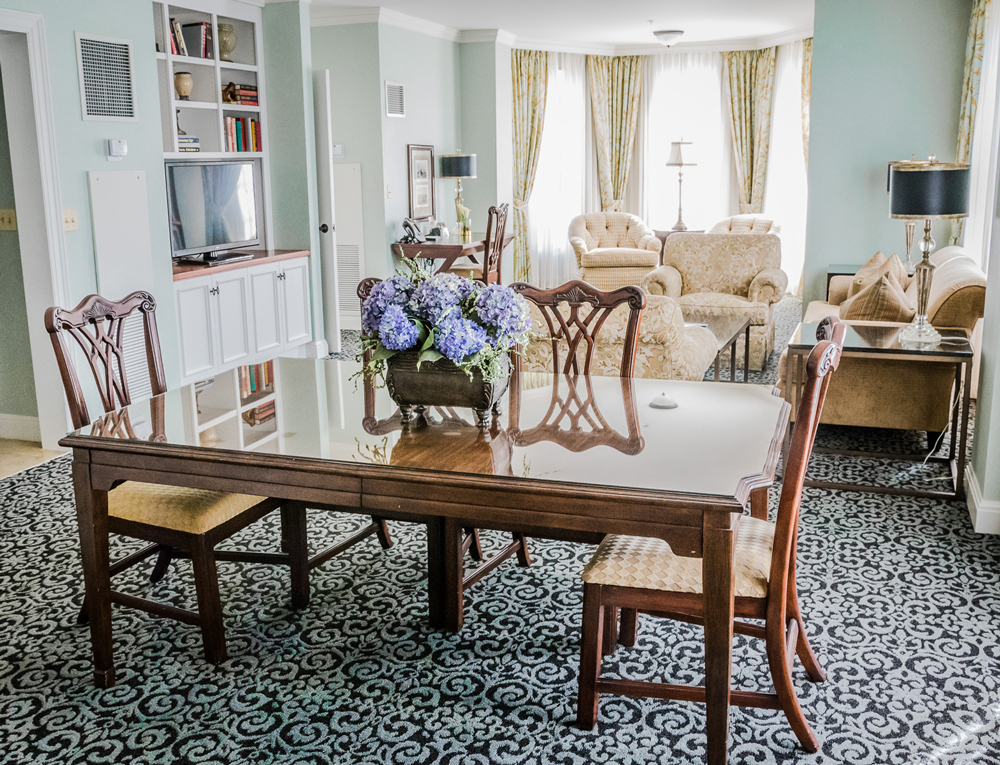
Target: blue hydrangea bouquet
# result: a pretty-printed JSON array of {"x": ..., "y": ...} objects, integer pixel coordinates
[{"x": 442, "y": 317}]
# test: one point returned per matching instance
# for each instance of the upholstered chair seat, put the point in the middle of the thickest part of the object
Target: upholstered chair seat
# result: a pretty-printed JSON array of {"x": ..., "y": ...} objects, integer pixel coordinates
[
  {"x": 193, "y": 511},
  {"x": 613, "y": 249},
  {"x": 745, "y": 224}
]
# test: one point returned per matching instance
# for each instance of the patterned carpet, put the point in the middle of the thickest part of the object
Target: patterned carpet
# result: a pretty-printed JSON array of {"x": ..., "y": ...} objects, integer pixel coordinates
[{"x": 900, "y": 596}]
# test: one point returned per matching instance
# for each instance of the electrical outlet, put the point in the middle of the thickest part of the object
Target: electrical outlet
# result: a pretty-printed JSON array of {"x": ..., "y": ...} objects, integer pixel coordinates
[
  {"x": 69, "y": 220},
  {"x": 8, "y": 220}
]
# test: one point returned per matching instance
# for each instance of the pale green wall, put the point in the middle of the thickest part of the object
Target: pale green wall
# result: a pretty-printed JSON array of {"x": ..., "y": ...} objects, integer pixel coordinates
[
  {"x": 291, "y": 129},
  {"x": 428, "y": 67},
  {"x": 351, "y": 53},
  {"x": 886, "y": 84},
  {"x": 479, "y": 129},
  {"x": 17, "y": 386},
  {"x": 80, "y": 143}
]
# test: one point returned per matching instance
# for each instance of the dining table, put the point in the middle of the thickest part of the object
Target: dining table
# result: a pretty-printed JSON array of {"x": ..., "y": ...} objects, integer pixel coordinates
[{"x": 564, "y": 457}]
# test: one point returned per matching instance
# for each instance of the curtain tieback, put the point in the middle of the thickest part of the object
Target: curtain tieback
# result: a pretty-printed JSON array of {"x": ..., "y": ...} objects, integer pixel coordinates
[{"x": 520, "y": 204}]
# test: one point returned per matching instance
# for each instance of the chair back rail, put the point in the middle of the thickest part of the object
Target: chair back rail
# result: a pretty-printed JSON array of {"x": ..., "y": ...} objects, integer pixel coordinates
[
  {"x": 98, "y": 326},
  {"x": 496, "y": 227},
  {"x": 589, "y": 309}
]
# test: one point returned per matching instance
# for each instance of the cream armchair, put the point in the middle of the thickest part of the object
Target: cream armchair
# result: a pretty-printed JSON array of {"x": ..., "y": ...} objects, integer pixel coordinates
[
  {"x": 667, "y": 349},
  {"x": 613, "y": 249},
  {"x": 746, "y": 224},
  {"x": 725, "y": 274}
]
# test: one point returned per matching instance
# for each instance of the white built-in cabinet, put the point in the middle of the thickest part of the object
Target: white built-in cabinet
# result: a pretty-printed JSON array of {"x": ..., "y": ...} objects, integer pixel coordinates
[{"x": 241, "y": 316}]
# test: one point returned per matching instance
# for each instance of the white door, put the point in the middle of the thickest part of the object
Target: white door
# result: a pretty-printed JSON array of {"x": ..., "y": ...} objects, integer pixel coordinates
[
  {"x": 194, "y": 299},
  {"x": 233, "y": 329},
  {"x": 265, "y": 307},
  {"x": 295, "y": 301},
  {"x": 327, "y": 217}
]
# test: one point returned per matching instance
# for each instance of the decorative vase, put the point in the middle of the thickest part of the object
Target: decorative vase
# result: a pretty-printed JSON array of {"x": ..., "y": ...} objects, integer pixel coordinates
[
  {"x": 466, "y": 232},
  {"x": 183, "y": 84},
  {"x": 441, "y": 383},
  {"x": 227, "y": 41}
]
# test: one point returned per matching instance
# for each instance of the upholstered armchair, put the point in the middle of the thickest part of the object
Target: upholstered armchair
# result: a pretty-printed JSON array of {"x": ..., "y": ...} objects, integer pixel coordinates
[
  {"x": 725, "y": 274},
  {"x": 667, "y": 349},
  {"x": 746, "y": 224},
  {"x": 613, "y": 249}
]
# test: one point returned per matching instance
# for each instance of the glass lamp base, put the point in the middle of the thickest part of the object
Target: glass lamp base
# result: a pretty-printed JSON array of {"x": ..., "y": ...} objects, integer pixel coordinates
[{"x": 920, "y": 333}]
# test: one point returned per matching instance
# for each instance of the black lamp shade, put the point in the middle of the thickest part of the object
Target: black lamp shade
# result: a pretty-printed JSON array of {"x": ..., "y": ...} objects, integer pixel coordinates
[
  {"x": 924, "y": 190},
  {"x": 458, "y": 166}
]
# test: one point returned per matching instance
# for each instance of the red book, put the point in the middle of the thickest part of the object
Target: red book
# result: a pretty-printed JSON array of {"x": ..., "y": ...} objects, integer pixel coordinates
[{"x": 256, "y": 128}]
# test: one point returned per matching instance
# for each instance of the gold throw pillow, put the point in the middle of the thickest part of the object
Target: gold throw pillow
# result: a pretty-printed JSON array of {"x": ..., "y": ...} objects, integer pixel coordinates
[
  {"x": 881, "y": 301},
  {"x": 869, "y": 275}
]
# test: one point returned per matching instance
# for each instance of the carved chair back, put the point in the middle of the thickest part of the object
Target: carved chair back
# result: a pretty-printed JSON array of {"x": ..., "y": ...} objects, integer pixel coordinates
[
  {"x": 98, "y": 327},
  {"x": 822, "y": 361},
  {"x": 496, "y": 228},
  {"x": 589, "y": 309}
]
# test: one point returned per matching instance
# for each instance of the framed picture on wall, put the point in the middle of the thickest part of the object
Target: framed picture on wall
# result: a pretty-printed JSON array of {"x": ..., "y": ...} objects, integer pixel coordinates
[{"x": 420, "y": 164}]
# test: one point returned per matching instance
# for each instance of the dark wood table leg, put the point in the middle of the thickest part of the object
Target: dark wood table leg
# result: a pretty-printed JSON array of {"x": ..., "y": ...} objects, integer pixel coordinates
[
  {"x": 718, "y": 357},
  {"x": 718, "y": 574},
  {"x": 92, "y": 520},
  {"x": 444, "y": 574},
  {"x": 732, "y": 361},
  {"x": 746, "y": 357}
]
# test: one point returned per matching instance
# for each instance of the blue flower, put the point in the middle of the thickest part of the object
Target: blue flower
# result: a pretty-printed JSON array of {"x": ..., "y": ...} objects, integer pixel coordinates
[
  {"x": 395, "y": 291},
  {"x": 458, "y": 338},
  {"x": 396, "y": 331},
  {"x": 439, "y": 296},
  {"x": 503, "y": 310}
]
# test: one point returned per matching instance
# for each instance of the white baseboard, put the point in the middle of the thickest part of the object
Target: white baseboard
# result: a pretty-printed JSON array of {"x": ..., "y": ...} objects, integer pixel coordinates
[
  {"x": 984, "y": 513},
  {"x": 20, "y": 427}
]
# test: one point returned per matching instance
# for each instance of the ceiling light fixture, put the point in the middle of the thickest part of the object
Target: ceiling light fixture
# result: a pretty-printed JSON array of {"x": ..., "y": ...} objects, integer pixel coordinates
[{"x": 668, "y": 36}]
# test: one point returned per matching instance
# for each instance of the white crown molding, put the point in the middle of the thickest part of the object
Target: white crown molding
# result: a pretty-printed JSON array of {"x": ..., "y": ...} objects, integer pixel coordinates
[
  {"x": 984, "y": 514},
  {"x": 589, "y": 49},
  {"x": 487, "y": 36},
  {"x": 327, "y": 15}
]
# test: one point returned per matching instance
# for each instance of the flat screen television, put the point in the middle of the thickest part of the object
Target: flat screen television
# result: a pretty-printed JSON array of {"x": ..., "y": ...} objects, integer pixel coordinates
[{"x": 213, "y": 207}]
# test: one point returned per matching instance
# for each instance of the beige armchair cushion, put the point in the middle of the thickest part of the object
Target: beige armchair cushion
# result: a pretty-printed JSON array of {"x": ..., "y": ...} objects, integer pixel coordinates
[
  {"x": 194, "y": 511},
  {"x": 721, "y": 262},
  {"x": 745, "y": 224},
  {"x": 882, "y": 300},
  {"x": 649, "y": 563},
  {"x": 619, "y": 257},
  {"x": 610, "y": 230},
  {"x": 721, "y": 304},
  {"x": 768, "y": 286}
]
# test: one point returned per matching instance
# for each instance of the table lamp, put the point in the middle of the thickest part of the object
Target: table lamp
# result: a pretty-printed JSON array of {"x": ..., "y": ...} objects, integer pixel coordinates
[
  {"x": 458, "y": 166},
  {"x": 926, "y": 190},
  {"x": 677, "y": 160}
]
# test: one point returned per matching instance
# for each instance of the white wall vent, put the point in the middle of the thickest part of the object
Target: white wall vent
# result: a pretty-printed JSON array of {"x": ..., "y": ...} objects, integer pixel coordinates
[
  {"x": 348, "y": 278},
  {"x": 107, "y": 85},
  {"x": 136, "y": 364},
  {"x": 395, "y": 99}
]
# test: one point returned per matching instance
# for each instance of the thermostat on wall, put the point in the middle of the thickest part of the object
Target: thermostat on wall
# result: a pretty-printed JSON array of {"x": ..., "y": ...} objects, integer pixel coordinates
[{"x": 117, "y": 149}]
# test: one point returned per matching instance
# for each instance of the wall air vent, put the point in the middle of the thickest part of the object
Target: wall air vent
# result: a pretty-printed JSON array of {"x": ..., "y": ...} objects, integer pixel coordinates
[
  {"x": 107, "y": 88},
  {"x": 348, "y": 278},
  {"x": 395, "y": 100}
]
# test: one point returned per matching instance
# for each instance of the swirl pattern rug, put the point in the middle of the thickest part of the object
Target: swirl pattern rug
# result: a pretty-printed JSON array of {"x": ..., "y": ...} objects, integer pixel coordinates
[{"x": 901, "y": 600}]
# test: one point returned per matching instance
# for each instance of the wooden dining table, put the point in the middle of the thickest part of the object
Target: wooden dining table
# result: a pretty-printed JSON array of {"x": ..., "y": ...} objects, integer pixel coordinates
[{"x": 571, "y": 458}]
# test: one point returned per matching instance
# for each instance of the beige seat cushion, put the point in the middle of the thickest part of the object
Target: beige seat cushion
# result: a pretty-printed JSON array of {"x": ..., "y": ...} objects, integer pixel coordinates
[
  {"x": 618, "y": 257},
  {"x": 723, "y": 304},
  {"x": 194, "y": 511},
  {"x": 649, "y": 564},
  {"x": 881, "y": 301}
]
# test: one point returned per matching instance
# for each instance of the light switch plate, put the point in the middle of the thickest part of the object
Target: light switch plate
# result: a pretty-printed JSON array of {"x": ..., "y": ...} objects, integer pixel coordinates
[
  {"x": 8, "y": 220},
  {"x": 69, "y": 220}
]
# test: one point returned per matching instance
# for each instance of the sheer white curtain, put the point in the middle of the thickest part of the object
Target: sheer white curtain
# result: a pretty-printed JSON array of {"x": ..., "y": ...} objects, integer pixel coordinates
[
  {"x": 558, "y": 195},
  {"x": 685, "y": 102},
  {"x": 785, "y": 193}
]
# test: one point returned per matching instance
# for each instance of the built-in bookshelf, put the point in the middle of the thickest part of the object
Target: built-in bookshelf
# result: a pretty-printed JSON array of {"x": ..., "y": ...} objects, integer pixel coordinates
[
  {"x": 236, "y": 409},
  {"x": 225, "y": 96}
]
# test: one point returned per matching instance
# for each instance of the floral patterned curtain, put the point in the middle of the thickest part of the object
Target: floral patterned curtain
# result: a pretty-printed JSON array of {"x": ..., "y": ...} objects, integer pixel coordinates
[
  {"x": 748, "y": 82},
  {"x": 970, "y": 92},
  {"x": 615, "y": 87},
  {"x": 807, "y": 76},
  {"x": 530, "y": 70}
]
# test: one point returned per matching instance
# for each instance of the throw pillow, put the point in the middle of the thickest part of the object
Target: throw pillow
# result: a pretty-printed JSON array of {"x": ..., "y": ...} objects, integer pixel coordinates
[
  {"x": 870, "y": 274},
  {"x": 882, "y": 300}
]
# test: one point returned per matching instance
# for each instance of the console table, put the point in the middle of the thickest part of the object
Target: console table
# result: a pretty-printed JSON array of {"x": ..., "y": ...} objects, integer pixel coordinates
[{"x": 446, "y": 250}]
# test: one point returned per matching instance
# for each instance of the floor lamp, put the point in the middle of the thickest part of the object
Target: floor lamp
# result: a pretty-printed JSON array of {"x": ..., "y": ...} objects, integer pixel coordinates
[
  {"x": 677, "y": 160},
  {"x": 926, "y": 190}
]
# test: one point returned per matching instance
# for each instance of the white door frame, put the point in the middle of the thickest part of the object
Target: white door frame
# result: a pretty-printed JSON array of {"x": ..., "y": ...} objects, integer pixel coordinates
[{"x": 44, "y": 286}]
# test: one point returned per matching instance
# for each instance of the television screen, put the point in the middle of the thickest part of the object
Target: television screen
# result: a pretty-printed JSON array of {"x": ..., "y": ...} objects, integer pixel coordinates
[{"x": 213, "y": 206}]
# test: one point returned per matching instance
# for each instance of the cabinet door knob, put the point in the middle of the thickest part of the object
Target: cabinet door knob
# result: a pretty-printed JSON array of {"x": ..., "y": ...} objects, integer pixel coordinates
[
  {"x": 281, "y": 275},
  {"x": 214, "y": 291},
  {"x": 324, "y": 229}
]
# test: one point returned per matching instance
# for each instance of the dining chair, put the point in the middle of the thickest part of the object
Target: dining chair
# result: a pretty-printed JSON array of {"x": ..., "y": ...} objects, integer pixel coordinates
[
  {"x": 488, "y": 272},
  {"x": 636, "y": 574},
  {"x": 176, "y": 521}
]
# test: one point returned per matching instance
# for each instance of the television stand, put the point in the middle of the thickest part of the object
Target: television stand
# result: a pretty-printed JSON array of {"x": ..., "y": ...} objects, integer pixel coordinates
[{"x": 215, "y": 258}]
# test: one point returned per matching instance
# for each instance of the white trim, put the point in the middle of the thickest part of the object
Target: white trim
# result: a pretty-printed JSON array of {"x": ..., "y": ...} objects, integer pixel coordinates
[
  {"x": 984, "y": 513},
  {"x": 590, "y": 49},
  {"x": 487, "y": 36},
  {"x": 20, "y": 427},
  {"x": 325, "y": 16}
]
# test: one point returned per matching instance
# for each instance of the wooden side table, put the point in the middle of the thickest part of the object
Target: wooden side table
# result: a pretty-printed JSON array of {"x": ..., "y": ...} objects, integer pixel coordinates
[{"x": 839, "y": 269}]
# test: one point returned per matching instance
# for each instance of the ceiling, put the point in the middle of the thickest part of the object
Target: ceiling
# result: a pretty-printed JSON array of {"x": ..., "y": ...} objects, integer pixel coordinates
[{"x": 607, "y": 24}]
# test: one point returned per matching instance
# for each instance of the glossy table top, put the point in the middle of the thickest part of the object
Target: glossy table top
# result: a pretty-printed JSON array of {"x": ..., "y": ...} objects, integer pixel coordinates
[
  {"x": 883, "y": 337},
  {"x": 725, "y": 327},
  {"x": 577, "y": 430}
]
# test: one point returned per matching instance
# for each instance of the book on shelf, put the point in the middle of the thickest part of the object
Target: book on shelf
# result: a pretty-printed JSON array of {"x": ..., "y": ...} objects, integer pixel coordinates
[
  {"x": 260, "y": 414},
  {"x": 254, "y": 378},
  {"x": 188, "y": 143},
  {"x": 198, "y": 39},
  {"x": 177, "y": 45},
  {"x": 242, "y": 134}
]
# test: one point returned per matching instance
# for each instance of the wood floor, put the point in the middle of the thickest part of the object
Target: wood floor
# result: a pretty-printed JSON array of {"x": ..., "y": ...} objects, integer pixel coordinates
[{"x": 16, "y": 455}]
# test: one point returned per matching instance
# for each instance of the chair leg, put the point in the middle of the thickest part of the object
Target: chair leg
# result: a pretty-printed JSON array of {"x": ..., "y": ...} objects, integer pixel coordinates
[
  {"x": 590, "y": 657},
  {"x": 475, "y": 545},
  {"x": 162, "y": 565},
  {"x": 206, "y": 580},
  {"x": 629, "y": 630},
  {"x": 610, "y": 630},
  {"x": 523, "y": 556},
  {"x": 382, "y": 532},
  {"x": 781, "y": 676},
  {"x": 295, "y": 542},
  {"x": 805, "y": 652}
]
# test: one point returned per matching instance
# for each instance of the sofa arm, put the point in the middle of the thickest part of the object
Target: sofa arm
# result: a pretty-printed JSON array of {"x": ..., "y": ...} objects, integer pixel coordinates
[
  {"x": 768, "y": 286},
  {"x": 840, "y": 289},
  {"x": 579, "y": 248},
  {"x": 665, "y": 280},
  {"x": 650, "y": 242}
]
